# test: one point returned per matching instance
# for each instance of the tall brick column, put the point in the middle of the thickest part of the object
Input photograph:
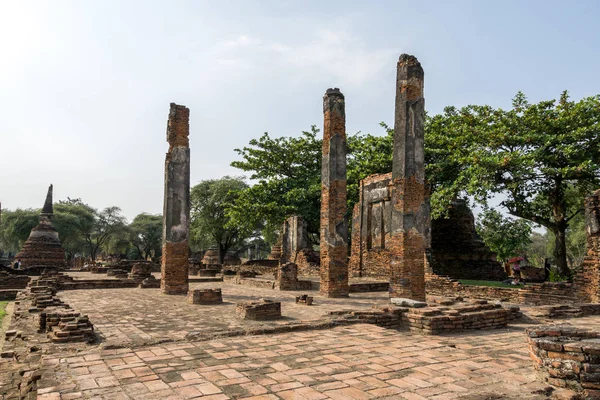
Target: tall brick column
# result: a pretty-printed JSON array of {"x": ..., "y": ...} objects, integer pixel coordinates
[
  {"x": 334, "y": 226},
  {"x": 411, "y": 225},
  {"x": 176, "y": 211},
  {"x": 586, "y": 282}
]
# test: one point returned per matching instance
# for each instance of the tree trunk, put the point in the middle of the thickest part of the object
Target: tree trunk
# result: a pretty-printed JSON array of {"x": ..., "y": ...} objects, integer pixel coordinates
[
  {"x": 560, "y": 252},
  {"x": 560, "y": 237},
  {"x": 222, "y": 252}
]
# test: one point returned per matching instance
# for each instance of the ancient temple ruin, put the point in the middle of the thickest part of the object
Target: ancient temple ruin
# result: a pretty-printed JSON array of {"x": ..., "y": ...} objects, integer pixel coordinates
[
  {"x": 409, "y": 235},
  {"x": 456, "y": 249},
  {"x": 334, "y": 226},
  {"x": 294, "y": 237},
  {"x": 43, "y": 247},
  {"x": 176, "y": 212}
]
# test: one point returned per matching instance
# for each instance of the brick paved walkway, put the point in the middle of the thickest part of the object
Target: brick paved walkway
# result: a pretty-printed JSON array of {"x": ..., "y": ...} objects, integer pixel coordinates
[
  {"x": 354, "y": 362},
  {"x": 138, "y": 316}
]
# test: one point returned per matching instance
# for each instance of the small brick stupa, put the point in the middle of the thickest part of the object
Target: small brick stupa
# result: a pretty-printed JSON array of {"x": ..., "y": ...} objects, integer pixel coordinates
[{"x": 43, "y": 248}]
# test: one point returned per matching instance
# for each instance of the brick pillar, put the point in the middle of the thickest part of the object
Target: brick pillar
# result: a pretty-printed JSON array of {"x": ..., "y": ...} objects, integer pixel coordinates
[
  {"x": 176, "y": 211},
  {"x": 411, "y": 225},
  {"x": 334, "y": 225},
  {"x": 587, "y": 281}
]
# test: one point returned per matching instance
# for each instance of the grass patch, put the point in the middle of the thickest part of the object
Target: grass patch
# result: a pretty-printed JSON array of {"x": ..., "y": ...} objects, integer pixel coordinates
[
  {"x": 470, "y": 282},
  {"x": 3, "y": 305}
]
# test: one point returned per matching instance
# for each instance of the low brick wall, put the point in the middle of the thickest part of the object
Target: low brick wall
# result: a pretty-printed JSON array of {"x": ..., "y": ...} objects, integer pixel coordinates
[
  {"x": 8, "y": 294},
  {"x": 98, "y": 284},
  {"x": 566, "y": 356},
  {"x": 9, "y": 281},
  {"x": 263, "y": 283},
  {"x": 369, "y": 287},
  {"x": 532, "y": 293},
  {"x": 436, "y": 320}
]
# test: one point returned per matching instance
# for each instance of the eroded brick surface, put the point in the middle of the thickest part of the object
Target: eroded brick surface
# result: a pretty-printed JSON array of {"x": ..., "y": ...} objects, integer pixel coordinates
[
  {"x": 176, "y": 211},
  {"x": 355, "y": 362},
  {"x": 409, "y": 236},
  {"x": 334, "y": 226}
]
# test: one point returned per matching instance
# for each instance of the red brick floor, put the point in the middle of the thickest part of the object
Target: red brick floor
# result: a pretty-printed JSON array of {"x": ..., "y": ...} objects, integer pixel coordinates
[{"x": 354, "y": 362}]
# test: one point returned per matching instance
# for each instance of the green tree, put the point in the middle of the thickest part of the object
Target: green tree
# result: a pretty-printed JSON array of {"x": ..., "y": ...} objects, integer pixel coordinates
[
  {"x": 539, "y": 248},
  {"x": 210, "y": 223},
  {"x": 288, "y": 171},
  {"x": 506, "y": 237},
  {"x": 73, "y": 219},
  {"x": 288, "y": 175},
  {"x": 16, "y": 227},
  {"x": 146, "y": 235},
  {"x": 531, "y": 155},
  {"x": 108, "y": 223}
]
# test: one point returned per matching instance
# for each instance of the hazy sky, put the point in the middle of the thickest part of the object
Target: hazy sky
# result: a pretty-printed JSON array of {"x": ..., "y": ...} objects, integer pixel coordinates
[{"x": 85, "y": 85}]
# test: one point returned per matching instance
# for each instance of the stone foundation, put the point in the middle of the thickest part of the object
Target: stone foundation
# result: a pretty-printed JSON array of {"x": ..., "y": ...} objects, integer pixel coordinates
[
  {"x": 205, "y": 296},
  {"x": 566, "y": 356},
  {"x": 261, "y": 310},
  {"x": 460, "y": 317}
]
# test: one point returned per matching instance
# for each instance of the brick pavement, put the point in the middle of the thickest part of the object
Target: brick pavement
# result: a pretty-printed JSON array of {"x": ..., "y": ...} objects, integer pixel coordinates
[
  {"x": 352, "y": 362},
  {"x": 143, "y": 316}
]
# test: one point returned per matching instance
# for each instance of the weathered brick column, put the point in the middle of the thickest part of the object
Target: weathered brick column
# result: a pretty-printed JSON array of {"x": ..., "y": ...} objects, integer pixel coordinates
[
  {"x": 587, "y": 280},
  {"x": 334, "y": 226},
  {"x": 411, "y": 225},
  {"x": 176, "y": 211}
]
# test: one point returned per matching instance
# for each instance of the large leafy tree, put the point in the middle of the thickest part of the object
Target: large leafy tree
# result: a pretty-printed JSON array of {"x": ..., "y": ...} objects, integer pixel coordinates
[
  {"x": 108, "y": 224},
  {"x": 288, "y": 175},
  {"x": 507, "y": 237},
  {"x": 210, "y": 224},
  {"x": 531, "y": 156},
  {"x": 16, "y": 227},
  {"x": 288, "y": 171},
  {"x": 146, "y": 235},
  {"x": 73, "y": 219}
]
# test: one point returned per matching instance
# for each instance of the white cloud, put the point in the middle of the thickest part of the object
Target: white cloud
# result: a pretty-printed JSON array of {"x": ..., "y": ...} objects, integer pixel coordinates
[{"x": 328, "y": 56}]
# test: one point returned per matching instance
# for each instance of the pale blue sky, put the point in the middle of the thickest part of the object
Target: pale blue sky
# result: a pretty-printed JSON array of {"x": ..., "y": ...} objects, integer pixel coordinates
[{"x": 85, "y": 86}]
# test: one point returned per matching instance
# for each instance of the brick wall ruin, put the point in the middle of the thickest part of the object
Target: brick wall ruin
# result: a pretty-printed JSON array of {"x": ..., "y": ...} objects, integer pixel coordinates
[
  {"x": 456, "y": 249},
  {"x": 176, "y": 213},
  {"x": 294, "y": 237}
]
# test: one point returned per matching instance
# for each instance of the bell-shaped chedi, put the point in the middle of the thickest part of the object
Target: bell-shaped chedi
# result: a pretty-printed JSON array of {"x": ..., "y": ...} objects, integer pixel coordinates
[{"x": 43, "y": 247}]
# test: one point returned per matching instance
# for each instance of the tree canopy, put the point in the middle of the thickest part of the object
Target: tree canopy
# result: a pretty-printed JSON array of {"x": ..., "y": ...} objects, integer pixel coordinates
[
  {"x": 210, "y": 224},
  {"x": 531, "y": 156}
]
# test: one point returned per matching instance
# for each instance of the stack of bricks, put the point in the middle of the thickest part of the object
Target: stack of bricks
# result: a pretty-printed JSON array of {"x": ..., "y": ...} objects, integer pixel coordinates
[
  {"x": 477, "y": 315},
  {"x": 10, "y": 281},
  {"x": 98, "y": 269},
  {"x": 117, "y": 273},
  {"x": 587, "y": 280},
  {"x": 70, "y": 326},
  {"x": 287, "y": 277},
  {"x": 176, "y": 210},
  {"x": 566, "y": 356},
  {"x": 140, "y": 271},
  {"x": 334, "y": 226},
  {"x": 205, "y": 296},
  {"x": 261, "y": 310}
]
